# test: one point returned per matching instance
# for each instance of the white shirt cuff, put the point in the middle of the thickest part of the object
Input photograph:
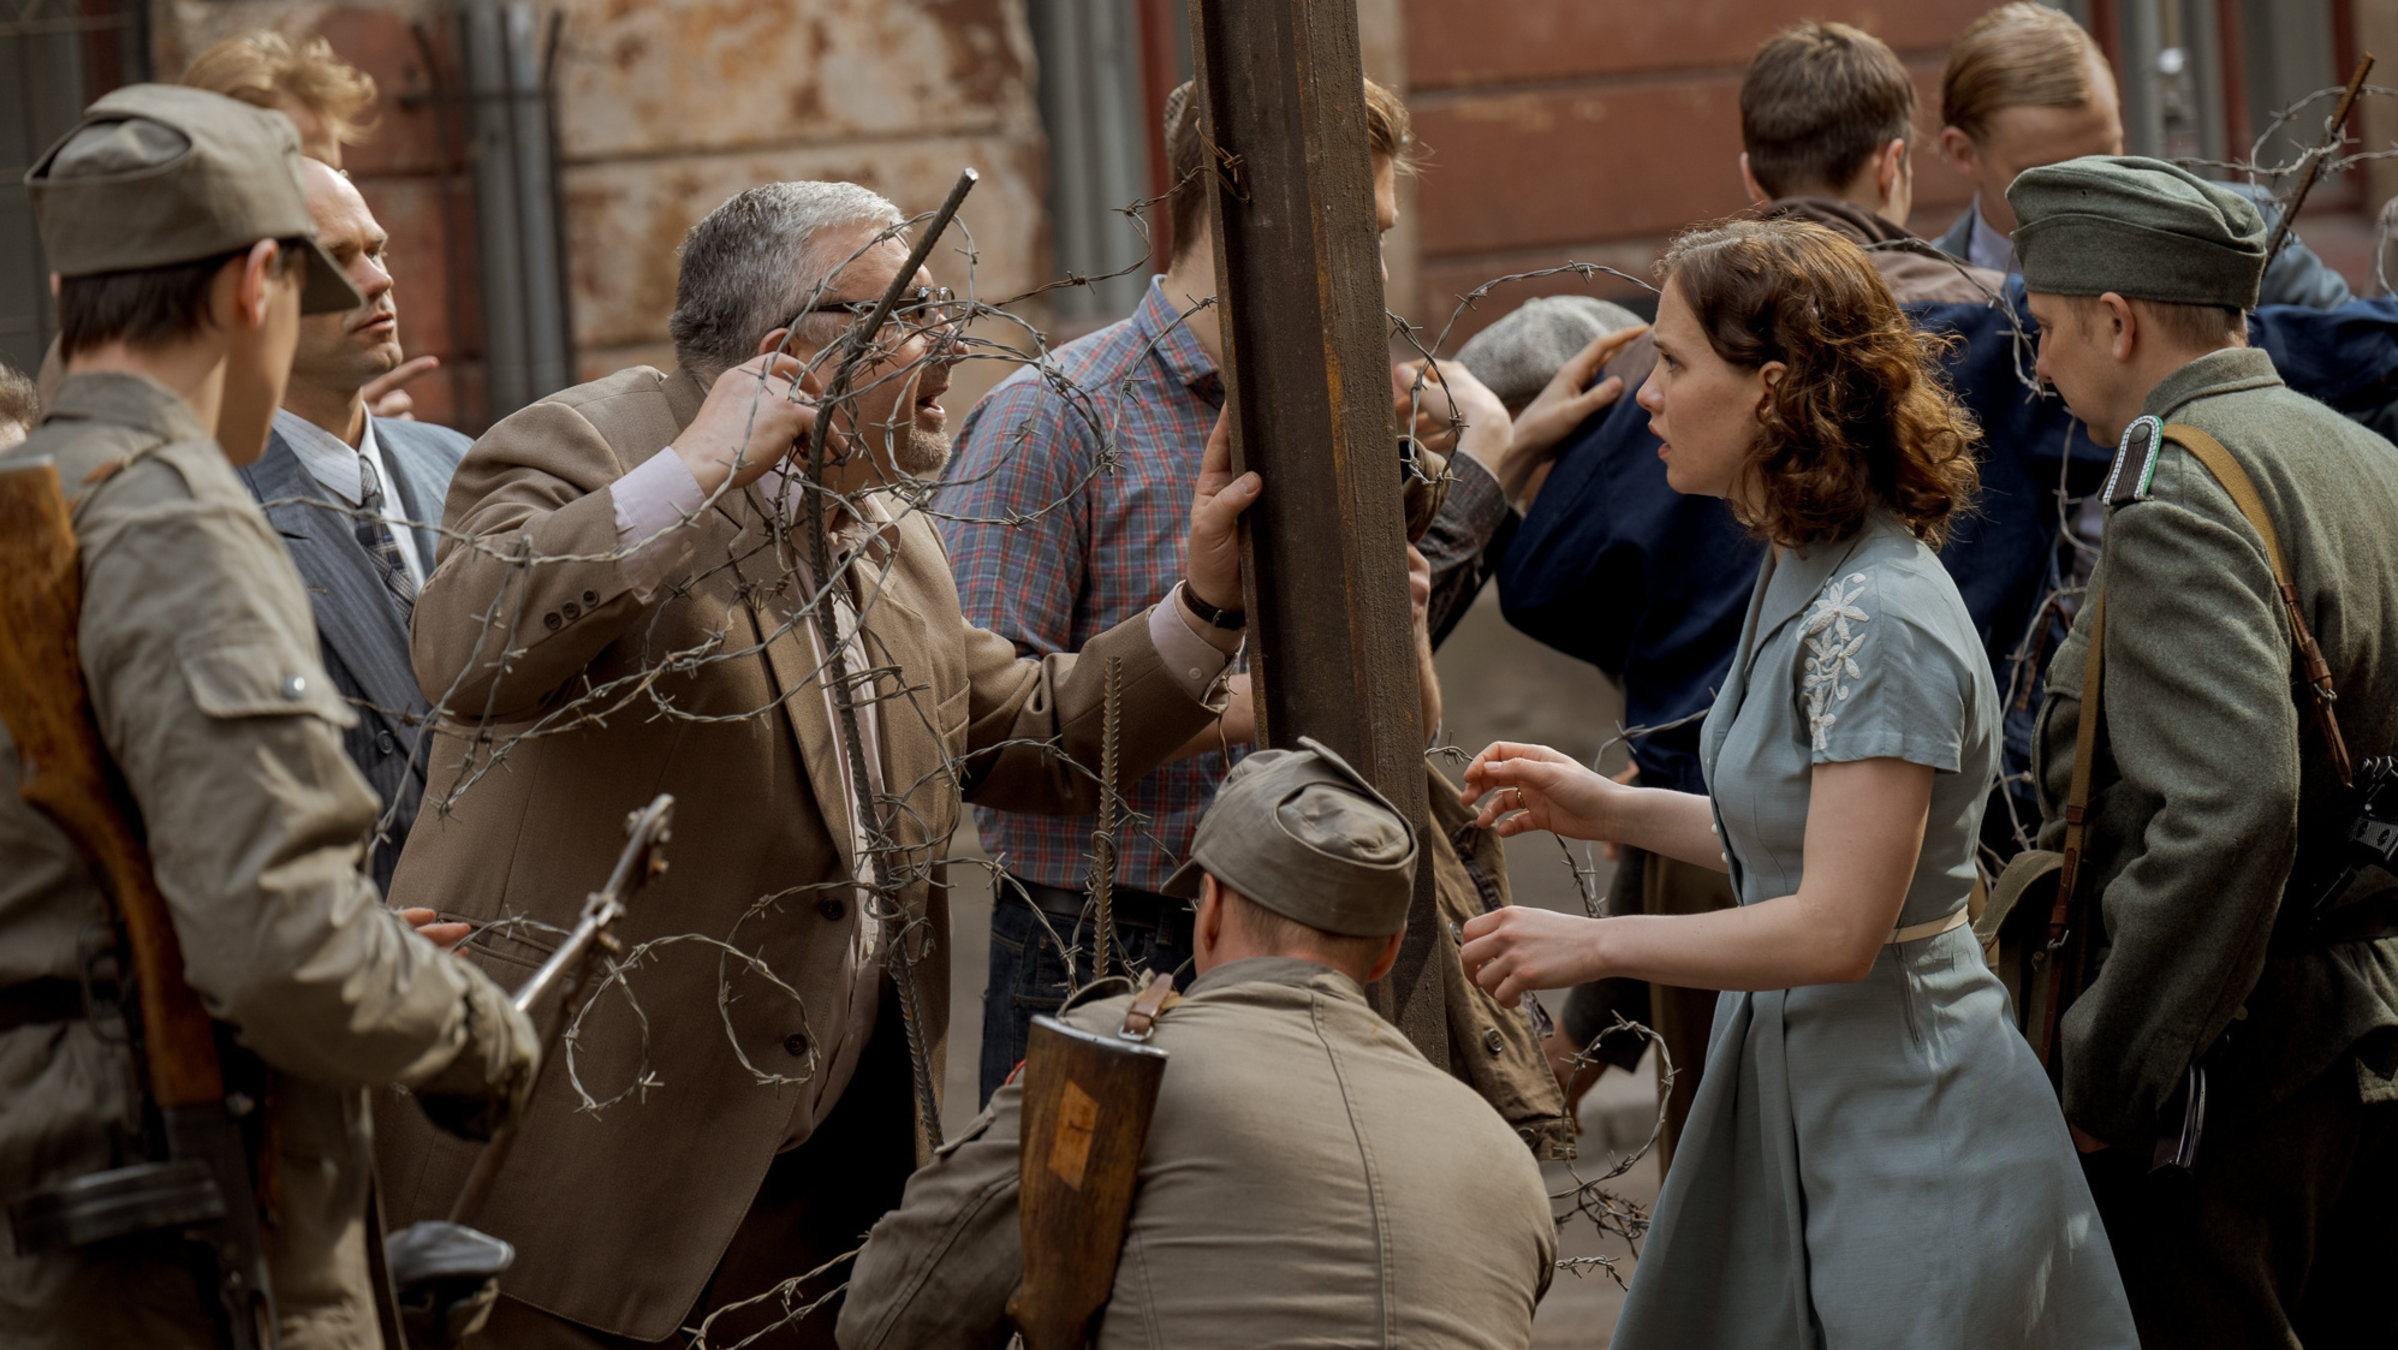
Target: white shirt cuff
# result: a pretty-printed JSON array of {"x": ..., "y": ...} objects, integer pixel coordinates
[
  {"x": 653, "y": 504},
  {"x": 1192, "y": 658}
]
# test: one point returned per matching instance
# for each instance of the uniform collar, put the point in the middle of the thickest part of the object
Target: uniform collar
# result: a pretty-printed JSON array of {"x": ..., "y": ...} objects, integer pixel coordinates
[
  {"x": 135, "y": 401},
  {"x": 1177, "y": 347},
  {"x": 2218, "y": 372},
  {"x": 1285, "y": 970}
]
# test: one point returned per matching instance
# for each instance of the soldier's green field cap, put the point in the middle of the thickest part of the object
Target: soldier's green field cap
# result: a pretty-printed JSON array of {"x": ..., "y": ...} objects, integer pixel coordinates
[
  {"x": 1305, "y": 835},
  {"x": 159, "y": 174},
  {"x": 2139, "y": 227}
]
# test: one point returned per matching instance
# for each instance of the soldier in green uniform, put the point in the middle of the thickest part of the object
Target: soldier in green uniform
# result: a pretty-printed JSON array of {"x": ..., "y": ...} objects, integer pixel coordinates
[
  {"x": 176, "y": 221},
  {"x": 2224, "y": 1016}
]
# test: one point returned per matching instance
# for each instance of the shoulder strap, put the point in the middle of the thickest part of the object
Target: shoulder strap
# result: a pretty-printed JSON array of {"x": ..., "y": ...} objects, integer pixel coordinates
[
  {"x": 2077, "y": 812},
  {"x": 2235, "y": 480},
  {"x": 1157, "y": 994}
]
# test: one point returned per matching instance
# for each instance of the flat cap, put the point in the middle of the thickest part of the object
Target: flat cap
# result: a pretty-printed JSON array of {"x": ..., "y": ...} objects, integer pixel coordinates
[
  {"x": 1306, "y": 836},
  {"x": 1518, "y": 355},
  {"x": 2139, "y": 227},
  {"x": 158, "y": 174}
]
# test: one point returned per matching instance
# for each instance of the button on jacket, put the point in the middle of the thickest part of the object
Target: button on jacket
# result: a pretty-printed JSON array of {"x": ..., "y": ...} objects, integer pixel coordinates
[
  {"x": 1308, "y": 1180},
  {"x": 572, "y": 700},
  {"x": 203, "y": 670}
]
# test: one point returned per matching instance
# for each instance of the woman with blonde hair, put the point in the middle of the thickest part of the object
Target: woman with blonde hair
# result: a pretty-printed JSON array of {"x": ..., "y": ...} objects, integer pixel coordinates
[{"x": 1874, "y": 1158}]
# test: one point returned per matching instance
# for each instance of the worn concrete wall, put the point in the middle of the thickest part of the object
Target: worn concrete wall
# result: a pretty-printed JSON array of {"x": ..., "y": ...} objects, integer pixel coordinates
[
  {"x": 667, "y": 107},
  {"x": 1592, "y": 129}
]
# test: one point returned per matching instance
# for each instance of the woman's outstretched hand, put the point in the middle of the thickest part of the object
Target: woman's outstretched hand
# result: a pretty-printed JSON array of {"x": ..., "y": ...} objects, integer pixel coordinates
[
  {"x": 1512, "y": 950},
  {"x": 1531, "y": 787}
]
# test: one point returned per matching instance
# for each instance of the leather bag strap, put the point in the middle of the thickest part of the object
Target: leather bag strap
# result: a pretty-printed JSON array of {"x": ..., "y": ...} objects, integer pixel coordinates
[{"x": 2235, "y": 480}]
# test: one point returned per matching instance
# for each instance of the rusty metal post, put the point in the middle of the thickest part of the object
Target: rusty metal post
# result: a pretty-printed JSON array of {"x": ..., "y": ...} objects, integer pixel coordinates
[{"x": 1281, "y": 95}]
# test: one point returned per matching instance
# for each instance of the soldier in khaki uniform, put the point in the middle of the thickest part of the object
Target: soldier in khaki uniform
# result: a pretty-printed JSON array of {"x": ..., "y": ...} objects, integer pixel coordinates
[
  {"x": 1308, "y": 1178},
  {"x": 176, "y": 221},
  {"x": 2215, "y": 803}
]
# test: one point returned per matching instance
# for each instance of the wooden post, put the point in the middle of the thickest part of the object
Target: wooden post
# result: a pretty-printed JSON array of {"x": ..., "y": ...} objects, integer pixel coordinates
[{"x": 1281, "y": 96}]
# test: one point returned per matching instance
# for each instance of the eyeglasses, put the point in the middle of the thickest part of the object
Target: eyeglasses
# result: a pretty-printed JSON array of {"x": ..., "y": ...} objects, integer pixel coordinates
[{"x": 919, "y": 310}]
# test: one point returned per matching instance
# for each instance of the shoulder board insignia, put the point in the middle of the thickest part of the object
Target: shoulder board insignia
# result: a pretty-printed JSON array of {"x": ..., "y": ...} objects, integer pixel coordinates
[{"x": 2135, "y": 462}]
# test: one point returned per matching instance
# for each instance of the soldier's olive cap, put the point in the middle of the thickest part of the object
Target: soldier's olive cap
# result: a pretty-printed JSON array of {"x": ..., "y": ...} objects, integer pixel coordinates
[
  {"x": 2139, "y": 227},
  {"x": 1306, "y": 836},
  {"x": 158, "y": 174}
]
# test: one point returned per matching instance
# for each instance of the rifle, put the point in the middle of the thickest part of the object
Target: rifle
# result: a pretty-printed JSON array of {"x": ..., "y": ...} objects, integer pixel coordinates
[
  {"x": 1088, "y": 1100},
  {"x": 447, "y": 1274},
  {"x": 204, "y": 1183}
]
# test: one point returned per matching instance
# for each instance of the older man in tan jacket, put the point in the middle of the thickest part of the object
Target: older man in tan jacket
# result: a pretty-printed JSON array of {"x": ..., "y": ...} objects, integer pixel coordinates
[
  {"x": 1308, "y": 1178},
  {"x": 626, "y": 606}
]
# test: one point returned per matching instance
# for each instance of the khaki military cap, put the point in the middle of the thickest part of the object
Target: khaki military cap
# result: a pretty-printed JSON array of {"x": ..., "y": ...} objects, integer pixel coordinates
[
  {"x": 1306, "y": 836},
  {"x": 158, "y": 174},
  {"x": 2139, "y": 227}
]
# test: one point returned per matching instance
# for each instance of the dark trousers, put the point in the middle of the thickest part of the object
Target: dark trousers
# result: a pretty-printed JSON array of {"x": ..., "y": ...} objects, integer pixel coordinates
[
  {"x": 815, "y": 1206},
  {"x": 1044, "y": 946},
  {"x": 2285, "y": 1235}
]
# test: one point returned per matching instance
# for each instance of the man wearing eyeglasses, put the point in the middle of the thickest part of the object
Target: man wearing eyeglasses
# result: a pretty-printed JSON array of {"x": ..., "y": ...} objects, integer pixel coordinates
[{"x": 644, "y": 588}]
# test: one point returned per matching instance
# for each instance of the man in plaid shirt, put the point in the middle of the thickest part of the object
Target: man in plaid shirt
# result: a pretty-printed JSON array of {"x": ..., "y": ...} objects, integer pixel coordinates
[{"x": 1049, "y": 547}]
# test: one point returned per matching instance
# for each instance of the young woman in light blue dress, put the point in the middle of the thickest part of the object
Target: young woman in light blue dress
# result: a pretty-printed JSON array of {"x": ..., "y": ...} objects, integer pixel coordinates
[{"x": 1875, "y": 1158}]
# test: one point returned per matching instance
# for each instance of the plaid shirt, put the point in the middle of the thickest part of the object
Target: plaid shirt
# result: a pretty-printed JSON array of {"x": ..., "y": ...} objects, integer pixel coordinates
[{"x": 1109, "y": 542}]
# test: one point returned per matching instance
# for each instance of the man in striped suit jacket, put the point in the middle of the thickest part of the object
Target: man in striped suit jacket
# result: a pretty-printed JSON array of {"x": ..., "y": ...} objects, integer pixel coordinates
[{"x": 356, "y": 499}]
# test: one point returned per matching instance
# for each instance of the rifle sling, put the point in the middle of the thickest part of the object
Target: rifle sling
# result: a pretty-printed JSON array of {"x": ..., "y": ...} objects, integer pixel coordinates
[{"x": 1147, "y": 1006}]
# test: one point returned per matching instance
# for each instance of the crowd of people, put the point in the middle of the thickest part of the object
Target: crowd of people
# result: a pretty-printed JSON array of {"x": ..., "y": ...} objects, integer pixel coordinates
[{"x": 2004, "y": 1014}]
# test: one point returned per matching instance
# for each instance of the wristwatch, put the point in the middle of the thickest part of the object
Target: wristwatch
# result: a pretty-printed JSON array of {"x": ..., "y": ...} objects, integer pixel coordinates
[{"x": 1228, "y": 619}]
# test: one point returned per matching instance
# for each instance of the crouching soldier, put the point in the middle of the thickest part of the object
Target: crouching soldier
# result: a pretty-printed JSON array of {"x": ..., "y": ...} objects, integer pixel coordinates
[
  {"x": 186, "y": 257},
  {"x": 1308, "y": 1177},
  {"x": 2231, "y": 1069}
]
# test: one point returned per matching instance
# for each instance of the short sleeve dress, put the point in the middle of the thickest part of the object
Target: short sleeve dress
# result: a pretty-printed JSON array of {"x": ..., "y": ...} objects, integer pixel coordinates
[{"x": 1878, "y": 1164}]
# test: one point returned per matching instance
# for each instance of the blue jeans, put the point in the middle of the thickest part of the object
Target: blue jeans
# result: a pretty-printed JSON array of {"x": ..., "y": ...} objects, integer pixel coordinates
[{"x": 1029, "y": 973}]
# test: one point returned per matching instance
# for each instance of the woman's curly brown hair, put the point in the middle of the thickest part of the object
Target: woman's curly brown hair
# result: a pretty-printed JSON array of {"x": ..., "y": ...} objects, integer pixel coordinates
[{"x": 1862, "y": 417}]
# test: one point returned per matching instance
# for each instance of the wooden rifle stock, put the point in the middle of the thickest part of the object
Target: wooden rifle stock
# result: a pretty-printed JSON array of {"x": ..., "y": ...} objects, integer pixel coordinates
[
  {"x": 64, "y": 772},
  {"x": 1088, "y": 1099}
]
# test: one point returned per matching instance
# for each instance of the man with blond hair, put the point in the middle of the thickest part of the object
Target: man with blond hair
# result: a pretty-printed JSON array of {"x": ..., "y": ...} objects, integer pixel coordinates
[
  {"x": 329, "y": 100},
  {"x": 2026, "y": 86}
]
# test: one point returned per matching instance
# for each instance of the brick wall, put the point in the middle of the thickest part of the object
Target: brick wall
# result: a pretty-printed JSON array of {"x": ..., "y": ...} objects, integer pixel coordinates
[
  {"x": 665, "y": 108},
  {"x": 1592, "y": 129}
]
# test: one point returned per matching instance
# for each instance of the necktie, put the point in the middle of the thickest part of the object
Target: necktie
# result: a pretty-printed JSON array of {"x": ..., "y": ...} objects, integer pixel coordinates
[{"x": 374, "y": 535}]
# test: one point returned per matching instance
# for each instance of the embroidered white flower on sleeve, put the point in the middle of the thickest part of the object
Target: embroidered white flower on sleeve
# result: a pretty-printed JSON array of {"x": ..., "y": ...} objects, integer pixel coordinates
[{"x": 1832, "y": 642}]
